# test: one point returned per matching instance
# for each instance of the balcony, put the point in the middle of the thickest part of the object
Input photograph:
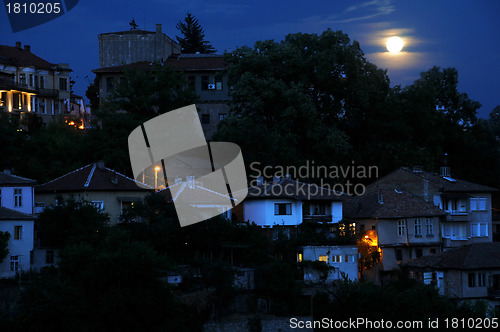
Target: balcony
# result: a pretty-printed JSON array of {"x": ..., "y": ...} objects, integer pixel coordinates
[
  {"x": 454, "y": 216},
  {"x": 8, "y": 84},
  {"x": 317, "y": 218},
  {"x": 51, "y": 93}
]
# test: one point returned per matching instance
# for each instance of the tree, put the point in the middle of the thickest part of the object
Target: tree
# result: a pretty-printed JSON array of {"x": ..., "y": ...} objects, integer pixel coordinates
[
  {"x": 193, "y": 39},
  {"x": 92, "y": 94},
  {"x": 4, "y": 245},
  {"x": 296, "y": 97}
]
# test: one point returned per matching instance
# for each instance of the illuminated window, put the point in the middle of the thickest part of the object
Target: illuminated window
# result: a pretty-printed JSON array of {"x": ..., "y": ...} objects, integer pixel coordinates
[
  {"x": 3, "y": 98},
  {"x": 299, "y": 257},
  {"x": 18, "y": 232},
  {"x": 17, "y": 101},
  {"x": 418, "y": 227},
  {"x": 282, "y": 209},
  {"x": 323, "y": 259},
  {"x": 401, "y": 227},
  {"x": 18, "y": 197}
]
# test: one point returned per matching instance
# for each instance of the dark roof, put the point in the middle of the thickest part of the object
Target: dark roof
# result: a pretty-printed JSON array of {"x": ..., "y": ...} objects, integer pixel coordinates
[
  {"x": 197, "y": 194},
  {"x": 9, "y": 214},
  {"x": 449, "y": 184},
  {"x": 473, "y": 256},
  {"x": 389, "y": 204},
  {"x": 93, "y": 177},
  {"x": 20, "y": 57},
  {"x": 288, "y": 188},
  {"x": 9, "y": 179},
  {"x": 181, "y": 63},
  {"x": 130, "y": 32}
]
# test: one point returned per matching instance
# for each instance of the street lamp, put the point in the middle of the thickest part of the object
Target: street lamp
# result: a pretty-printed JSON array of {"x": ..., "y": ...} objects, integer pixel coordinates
[{"x": 157, "y": 168}]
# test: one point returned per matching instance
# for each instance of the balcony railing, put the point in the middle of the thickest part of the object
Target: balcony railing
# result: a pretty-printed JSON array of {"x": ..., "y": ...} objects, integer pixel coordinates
[
  {"x": 7, "y": 84},
  {"x": 317, "y": 218},
  {"x": 47, "y": 92},
  {"x": 454, "y": 215}
]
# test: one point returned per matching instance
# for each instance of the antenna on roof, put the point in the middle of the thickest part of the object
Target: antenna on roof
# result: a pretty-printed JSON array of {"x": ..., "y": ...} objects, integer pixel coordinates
[{"x": 133, "y": 24}]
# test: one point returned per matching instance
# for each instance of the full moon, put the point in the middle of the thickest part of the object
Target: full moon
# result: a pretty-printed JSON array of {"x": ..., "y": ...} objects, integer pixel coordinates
[{"x": 394, "y": 44}]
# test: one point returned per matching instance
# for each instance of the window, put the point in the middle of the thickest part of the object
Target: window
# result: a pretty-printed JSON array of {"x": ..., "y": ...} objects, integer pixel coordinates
[
  {"x": 222, "y": 116},
  {"x": 401, "y": 227},
  {"x": 429, "y": 227},
  {"x": 22, "y": 79},
  {"x": 481, "y": 280},
  {"x": 192, "y": 82},
  {"x": 98, "y": 204},
  {"x": 472, "y": 279},
  {"x": 110, "y": 84},
  {"x": 42, "y": 82},
  {"x": 479, "y": 229},
  {"x": 41, "y": 106},
  {"x": 299, "y": 257},
  {"x": 56, "y": 107},
  {"x": 63, "y": 83},
  {"x": 204, "y": 83},
  {"x": 0, "y": 197},
  {"x": 36, "y": 82},
  {"x": 18, "y": 197},
  {"x": 218, "y": 84},
  {"x": 205, "y": 119},
  {"x": 14, "y": 263},
  {"x": 17, "y": 101},
  {"x": 281, "y": 209},
  {"x": 49, "y": 257},
  {"x": 323, "y": 258},
  {"x": 32, "y": 80},
  {"x": 418, "y": 227},
  {"x": 478, "y": 204},
  {"x": 399, "y": 254},
  {"x": 418, "y": 252},
  {"x": 337, "y": 259},
  {"x": 18, "y": 232},
  {"x": 3, "y": 98}
]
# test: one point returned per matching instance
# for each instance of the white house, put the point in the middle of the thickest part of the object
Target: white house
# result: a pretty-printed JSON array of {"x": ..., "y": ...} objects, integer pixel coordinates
[
  {"x": 16, "y": 192},
  {"x": 286, "y": 202},
  {"x": 343, "y": 259}
]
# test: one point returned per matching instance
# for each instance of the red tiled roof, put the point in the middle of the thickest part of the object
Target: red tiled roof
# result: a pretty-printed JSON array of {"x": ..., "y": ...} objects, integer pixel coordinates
[
  {"x": 389, "y": 204},
  {"x": 9, "y": 214},
  {"x": 9, "y": 180},
  {"x": 180, "y": 63},
  {"x": 90, "y": 178},
  {"x": 20, "y": 57},
  {"x": 473, "y": 256}
]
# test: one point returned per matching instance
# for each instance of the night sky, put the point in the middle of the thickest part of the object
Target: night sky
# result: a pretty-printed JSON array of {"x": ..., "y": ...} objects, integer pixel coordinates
[{"x": 461, "y": 34}]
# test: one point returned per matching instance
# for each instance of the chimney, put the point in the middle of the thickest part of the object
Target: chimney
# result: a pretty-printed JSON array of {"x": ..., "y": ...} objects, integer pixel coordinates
[
  {"x": 100, "y": 164},
  {"x": 158, "y": 28},
  {"x": 27, "y": 48},
  {"x": 18, "y": 44}
]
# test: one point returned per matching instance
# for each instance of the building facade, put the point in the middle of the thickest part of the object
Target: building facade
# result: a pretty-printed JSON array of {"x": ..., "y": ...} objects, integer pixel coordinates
[{"x": 32, "y": 85}]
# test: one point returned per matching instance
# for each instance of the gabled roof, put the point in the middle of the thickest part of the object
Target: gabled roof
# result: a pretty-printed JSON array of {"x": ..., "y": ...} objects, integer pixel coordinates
[
  {"x": 473, "y": 256},
  {"x": 16, "y": 56},
  {"x": 183, "y": 62},
  {"x": 448, "y": 184},
  {"x": 195, "y": 195},
  {"x": 93, "y": 177},
  {"x": 9, "y": 214},
  {"x": 288, "y": 188},
  {"x": 389, "y": 204},
  {"x": 11, "y": 180}
]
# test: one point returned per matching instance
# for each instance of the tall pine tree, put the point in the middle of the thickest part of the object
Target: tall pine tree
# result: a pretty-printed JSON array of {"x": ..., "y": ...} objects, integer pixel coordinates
[{"x": 193, "y": 39}]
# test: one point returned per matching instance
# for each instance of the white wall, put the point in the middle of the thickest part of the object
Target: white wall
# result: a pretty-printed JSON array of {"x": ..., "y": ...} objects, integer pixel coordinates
[
  {"x": 27, "y": 198},
  {"x": 350, "y": 268},
  {"x": 21, "y": 247},
  {"x": 336, "y": 211},
  {"x": 262, "y": 212}
]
